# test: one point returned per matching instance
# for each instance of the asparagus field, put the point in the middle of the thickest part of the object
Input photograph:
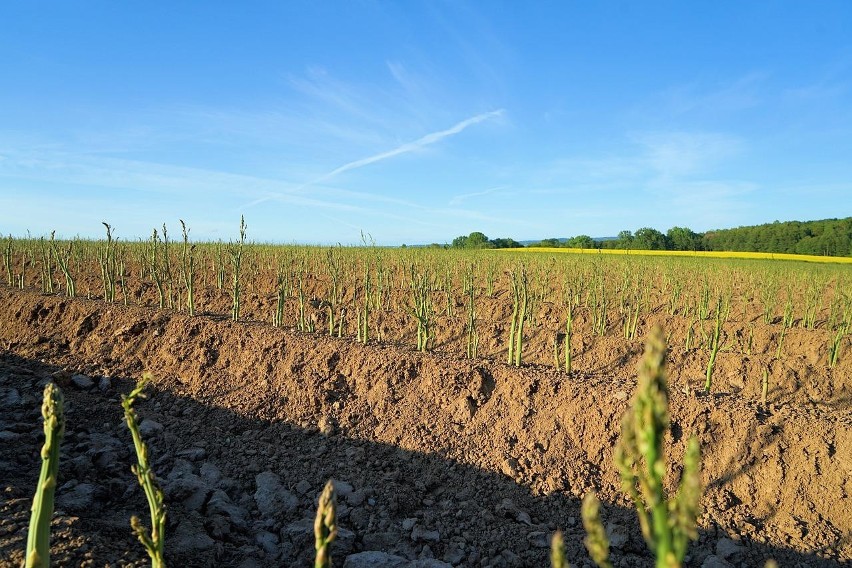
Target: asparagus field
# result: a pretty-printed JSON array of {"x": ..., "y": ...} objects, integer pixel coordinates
[{"x": 464, "y": 403}]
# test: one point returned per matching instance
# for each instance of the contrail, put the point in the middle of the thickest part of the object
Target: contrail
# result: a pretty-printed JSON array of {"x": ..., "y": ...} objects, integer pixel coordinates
[
  {"x": 427, "y": 140},
  {"x": 410, "y": 146},
  {"x": 459, "y": 198}
]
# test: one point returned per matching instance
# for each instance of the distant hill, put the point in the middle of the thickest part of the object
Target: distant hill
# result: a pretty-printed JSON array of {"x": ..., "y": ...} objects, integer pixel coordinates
[
  {"x": 533, "y": 241},
  {"x": 565, "y": 240}
]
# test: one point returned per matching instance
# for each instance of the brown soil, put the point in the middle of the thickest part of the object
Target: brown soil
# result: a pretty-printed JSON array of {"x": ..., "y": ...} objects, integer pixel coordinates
[{"x": 471, "y": 462}]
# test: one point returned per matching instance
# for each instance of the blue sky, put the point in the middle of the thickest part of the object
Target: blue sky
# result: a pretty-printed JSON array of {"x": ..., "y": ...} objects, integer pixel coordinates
[{"x": 420, "y": 121}]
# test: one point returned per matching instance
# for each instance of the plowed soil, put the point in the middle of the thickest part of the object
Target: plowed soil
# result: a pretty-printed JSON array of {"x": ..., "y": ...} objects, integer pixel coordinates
[{"x": 437, "y": 458}]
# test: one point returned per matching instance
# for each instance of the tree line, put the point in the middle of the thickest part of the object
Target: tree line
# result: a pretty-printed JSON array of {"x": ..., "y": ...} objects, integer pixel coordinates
[
  {"x": 477, "y": 240},
  {"x": 827, "y": 237}
]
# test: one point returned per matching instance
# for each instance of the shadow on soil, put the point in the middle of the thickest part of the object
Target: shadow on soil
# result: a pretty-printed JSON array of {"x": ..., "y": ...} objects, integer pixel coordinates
[{"x": 212, "y": 461}]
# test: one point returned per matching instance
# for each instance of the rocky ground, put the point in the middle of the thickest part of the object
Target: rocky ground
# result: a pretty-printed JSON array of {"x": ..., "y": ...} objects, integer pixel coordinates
[{"x": 437, "y": 461}]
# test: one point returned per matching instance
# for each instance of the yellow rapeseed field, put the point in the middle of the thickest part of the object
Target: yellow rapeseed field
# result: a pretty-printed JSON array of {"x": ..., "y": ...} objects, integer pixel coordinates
[{"x": 696, "y": 254}]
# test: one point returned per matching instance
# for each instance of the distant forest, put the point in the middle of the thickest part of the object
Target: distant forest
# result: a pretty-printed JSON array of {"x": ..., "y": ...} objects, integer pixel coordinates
[{"x": 828, "y": 237}]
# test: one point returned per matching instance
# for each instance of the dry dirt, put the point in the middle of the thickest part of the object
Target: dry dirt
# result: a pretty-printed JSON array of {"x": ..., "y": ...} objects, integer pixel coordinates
[{"x": 438, "y": 460}]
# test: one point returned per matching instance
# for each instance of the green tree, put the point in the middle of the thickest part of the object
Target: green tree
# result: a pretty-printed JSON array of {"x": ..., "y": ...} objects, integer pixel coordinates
[
  {"x": 647, "y": 238},
  {"x": 553, "y": 243},
  {"x": 505, "y": 243},
  {"x": 460, "y": 242},
  {"x": 477, "y": 240},
  {"x": 831, "y": 237},
  {"x": 624, "y": 240},
  {"x": 683, "y": 238},
  {"x": 581, "y": 242}
]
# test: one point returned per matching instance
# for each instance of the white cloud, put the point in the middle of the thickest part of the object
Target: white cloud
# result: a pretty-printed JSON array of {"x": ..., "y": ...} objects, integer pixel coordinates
[
  {"x": 740, "y": 94},
  {"x": 675, "y": 154}
]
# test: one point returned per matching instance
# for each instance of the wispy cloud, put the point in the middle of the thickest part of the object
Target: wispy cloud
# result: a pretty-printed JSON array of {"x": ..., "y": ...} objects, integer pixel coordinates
[
  {"x": 670, "y": 177},
  {"x": 404, "y": 78},
  {"x": 74, "y": 169},
  {"x": 832, "y": 82},
  {"x": 321, "y": 87},
  {"x": 408, "y": 147},
  {"x": 740, "y": 94},
  {"x": 676, "y": 154},
  {"x": 458, "y": 199}
]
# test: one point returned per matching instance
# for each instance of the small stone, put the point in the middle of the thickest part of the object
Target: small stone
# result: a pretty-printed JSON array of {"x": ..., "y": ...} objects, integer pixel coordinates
[
  {"x": 428, "y": 563},
  {"x": 538, "y": 539},
  {"x": 104, "y": 442},
  {"x": 217, "y": 526},
  {"x": 78, "y": 466},
  {"x": 105, "y": 384},
  {"x": 555, "y": 483},
  {"x": 344, "y": 543},
  {"x": 454, "y": 553},
  {"x": 342, "y": 488},
  {"x": 7, "y": 436},
  {"x": 511, "y": 558},
  {"x": 510, "y": 467},
  {"x": 300, "y": 536},
  {"x": 193, "y": 454},
  {"x": 726, "y": 500},
  {"x": 210, "y": 474},
  {"x": 356, "y": 498},
  {"x": 190, "y": 540},
  {"x": 267, "y": 541},
  {"x": 62, "y": 377},
  {"x": 620, "y": 396},
  {"x": 195, "y": 501},
  {"x": 726, "y": 548},
  {"x": 507, "y": 508},
  {"x": 150, "y": 427},
  {"x": 419, "y": 534},
  {"x": 408, "y": 524},
  {"x": 303, "y": 487},
  {"x": 271, "y": 497},
  {"x": 716, "y": 562},
  {"x": 379, "y": 540},
  {"x": 251, "y": 562},
  {"x": 183, "y": 485},
  {"x": 12, "y": 398},
  {"x": 360, "y": 518},
  {"x": 464, "y": 410},
  {"x": 221, "y": 504},
  {"x": 326, "y": 426},
  {"x": 617, "y": 535},
  {"x": 78, "y": 500},
  {"x": 181, "y": 468},
  {"x": 300, "y": 533},
  {"x": 82, "y": 382},
  {"x": 375, "y": 559},
  {"x": 106, "y": 460}
]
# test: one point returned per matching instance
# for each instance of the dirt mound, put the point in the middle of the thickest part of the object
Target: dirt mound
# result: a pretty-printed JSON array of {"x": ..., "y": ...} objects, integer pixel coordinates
[{"x": 470, "y": 462}]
